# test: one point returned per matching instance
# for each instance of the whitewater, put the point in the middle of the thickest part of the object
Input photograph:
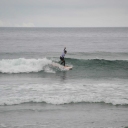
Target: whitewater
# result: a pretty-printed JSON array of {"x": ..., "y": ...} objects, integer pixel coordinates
[{"x": 23, "y": 65}]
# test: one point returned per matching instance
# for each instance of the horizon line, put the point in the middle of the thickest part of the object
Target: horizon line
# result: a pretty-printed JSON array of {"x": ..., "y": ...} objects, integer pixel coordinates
[{"x": 68, "y": 27}]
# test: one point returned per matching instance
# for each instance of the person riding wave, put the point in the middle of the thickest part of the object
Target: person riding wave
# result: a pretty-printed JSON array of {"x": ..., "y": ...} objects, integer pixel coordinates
[{"x": 62, "y": 56}]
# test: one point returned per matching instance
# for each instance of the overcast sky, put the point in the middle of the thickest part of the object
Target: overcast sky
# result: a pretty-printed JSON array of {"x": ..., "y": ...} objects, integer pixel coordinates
[{"x": 63, "y": 13}]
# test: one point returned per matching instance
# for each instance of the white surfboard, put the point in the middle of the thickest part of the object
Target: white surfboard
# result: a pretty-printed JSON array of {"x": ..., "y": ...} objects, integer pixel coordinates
[
  {"x": 61, "y": 66},
  {"x": 68, "y": 67}
]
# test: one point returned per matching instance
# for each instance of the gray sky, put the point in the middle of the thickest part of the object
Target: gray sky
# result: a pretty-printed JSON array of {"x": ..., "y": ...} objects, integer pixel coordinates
[{"x": 63, "y": 13}]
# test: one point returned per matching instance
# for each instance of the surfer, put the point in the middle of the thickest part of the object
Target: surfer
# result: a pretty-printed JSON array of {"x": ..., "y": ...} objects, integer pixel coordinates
[{"x": 62, "y": 56}]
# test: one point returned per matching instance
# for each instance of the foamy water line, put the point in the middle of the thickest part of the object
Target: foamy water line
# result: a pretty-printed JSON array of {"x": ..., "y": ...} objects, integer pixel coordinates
[{"x": 67, "y": 93}]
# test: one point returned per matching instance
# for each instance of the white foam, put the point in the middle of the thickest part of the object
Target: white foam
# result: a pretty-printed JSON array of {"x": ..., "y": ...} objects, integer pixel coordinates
[
  {"x": 62, "y": 100},
  {"x": 23, "y": 65},
  {"x": 67, "y": 93}
]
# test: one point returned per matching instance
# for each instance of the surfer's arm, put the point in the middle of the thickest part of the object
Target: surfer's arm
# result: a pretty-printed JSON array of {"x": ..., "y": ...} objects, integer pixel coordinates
[{"x": 64, "y": 48}]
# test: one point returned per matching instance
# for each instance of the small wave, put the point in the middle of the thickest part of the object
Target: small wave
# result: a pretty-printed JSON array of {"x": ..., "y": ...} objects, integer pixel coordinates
[
  {"x": 64, "y": 100},
  {"x": 61, "y": 103}
]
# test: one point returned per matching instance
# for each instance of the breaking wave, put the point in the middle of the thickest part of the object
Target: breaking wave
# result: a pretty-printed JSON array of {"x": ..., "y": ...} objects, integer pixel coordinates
[{"x": 23, "y": 65}]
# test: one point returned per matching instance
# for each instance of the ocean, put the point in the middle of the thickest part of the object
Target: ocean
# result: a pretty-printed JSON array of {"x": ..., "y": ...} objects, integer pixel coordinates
[{"x": 32, "y": 89}]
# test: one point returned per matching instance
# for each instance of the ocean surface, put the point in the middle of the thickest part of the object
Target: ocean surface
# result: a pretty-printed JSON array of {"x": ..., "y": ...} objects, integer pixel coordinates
[{"x": 99, "y": 57}]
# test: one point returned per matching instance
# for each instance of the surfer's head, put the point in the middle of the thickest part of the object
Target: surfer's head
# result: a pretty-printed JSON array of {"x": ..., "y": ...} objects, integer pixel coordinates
[{"x": 65, "y": 51}]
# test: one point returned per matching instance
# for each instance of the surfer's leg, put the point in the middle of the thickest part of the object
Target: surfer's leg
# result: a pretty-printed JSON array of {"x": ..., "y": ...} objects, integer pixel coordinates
[
  {"x": 64, "y": 62},
  {"x": 61, "y": 60}
]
